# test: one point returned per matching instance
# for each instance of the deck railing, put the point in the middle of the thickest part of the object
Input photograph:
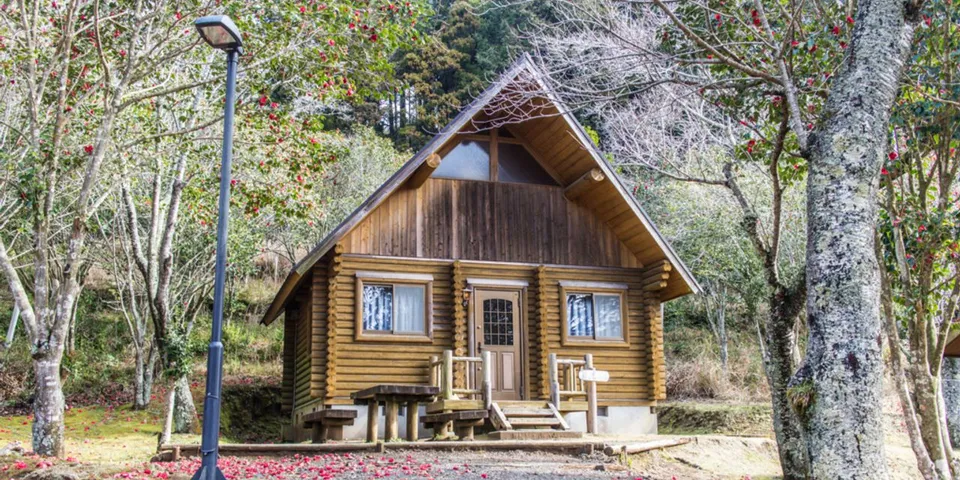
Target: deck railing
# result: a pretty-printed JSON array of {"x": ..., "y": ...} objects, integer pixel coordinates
[
  {"x": 476, "y": 388},
  {"x": 565, "y": 383}
]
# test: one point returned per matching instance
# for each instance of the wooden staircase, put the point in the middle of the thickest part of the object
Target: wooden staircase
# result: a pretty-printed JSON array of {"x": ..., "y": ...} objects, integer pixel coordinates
[{"x": 528, "y": 420}]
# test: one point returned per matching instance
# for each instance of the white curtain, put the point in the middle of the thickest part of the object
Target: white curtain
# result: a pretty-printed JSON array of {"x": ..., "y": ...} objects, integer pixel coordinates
[
  {"x": 410, "y": 309},
  {"x": 378, "y": 307},
  {"x": 580, "y": 315},
  {"x": 608, "y": 316}
]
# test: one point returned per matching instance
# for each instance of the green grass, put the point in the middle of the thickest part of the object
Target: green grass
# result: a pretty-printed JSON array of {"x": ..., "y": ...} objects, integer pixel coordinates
[{"x": 100, "y": 435}]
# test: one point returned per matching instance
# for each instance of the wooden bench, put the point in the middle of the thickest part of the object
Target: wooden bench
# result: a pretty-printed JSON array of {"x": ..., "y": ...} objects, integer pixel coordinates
[
  {"x": 463, "y": 422},
  {"x": 328, "y": 424}
]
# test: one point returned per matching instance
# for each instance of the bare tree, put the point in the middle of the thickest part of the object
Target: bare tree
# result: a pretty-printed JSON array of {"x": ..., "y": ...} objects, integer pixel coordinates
[
  {"x": 715, "y": 306},
  {"x": 833, "y": 113}
]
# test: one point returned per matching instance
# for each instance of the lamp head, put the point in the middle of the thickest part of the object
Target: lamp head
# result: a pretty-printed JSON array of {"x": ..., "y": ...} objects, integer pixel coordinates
[{"x": 220, "y": 32}]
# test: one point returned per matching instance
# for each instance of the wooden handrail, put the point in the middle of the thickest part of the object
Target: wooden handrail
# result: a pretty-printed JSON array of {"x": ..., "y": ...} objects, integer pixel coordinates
[
  {"x": 441, "y": 375},
  {"x": 565, "y": 381}
]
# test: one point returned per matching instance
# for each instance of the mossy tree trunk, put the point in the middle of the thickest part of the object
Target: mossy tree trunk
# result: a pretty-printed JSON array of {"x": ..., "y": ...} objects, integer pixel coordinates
[
  {"x": 184, "y": 410},
  {"x": 843, "y": 368}
]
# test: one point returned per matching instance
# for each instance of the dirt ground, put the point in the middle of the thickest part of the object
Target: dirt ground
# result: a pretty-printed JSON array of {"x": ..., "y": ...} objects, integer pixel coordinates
[{"x": 108, "y": 443}]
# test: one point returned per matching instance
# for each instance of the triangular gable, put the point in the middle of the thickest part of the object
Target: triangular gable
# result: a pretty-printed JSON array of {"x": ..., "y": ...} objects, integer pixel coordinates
[{"x": 683, "y": 285}]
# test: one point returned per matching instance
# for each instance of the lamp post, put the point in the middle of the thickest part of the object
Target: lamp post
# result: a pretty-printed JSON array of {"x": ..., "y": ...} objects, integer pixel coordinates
[{"x": 221, "y": 33}]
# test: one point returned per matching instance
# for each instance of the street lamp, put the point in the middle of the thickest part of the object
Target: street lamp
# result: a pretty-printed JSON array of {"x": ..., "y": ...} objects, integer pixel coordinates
[{"x": 221, "y": 33}]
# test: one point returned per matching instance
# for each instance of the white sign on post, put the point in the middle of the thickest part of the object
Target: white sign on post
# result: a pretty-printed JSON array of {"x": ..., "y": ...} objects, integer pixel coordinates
[{"x": 594, "y": 375}]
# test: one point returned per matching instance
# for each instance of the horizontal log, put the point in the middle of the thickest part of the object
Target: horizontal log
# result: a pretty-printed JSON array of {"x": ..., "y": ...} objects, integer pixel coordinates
[{"x": 630, "y": 448}]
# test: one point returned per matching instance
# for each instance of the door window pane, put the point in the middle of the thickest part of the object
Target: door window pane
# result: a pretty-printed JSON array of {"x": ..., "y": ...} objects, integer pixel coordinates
[
  {"x": 516, "y": 165},
  {"x": 498, "y": 322},
  {"x": 469, "y": 160},
  {"x": 580, "y": 315},
  {"x": 378, "y": 307},
  {"x": 609, "y": 314},
  {"x": 410, "y": 309}
]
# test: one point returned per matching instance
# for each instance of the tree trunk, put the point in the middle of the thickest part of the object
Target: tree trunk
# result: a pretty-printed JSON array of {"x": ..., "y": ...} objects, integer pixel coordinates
[
  {"x": 780, "y": 366},
  {"x": 184, "y": 411},
  {"x": 12, "y": 329},
  {"x": 143, "y": 379},
  {"x": 839, "y": 382},
  {"x": 950, "y": 379},
  {"x": 48, "y": 406},
  {"x": 928, "y": 412},
  {"x": 72, "y": 326},
  {"x": 168, "y": 418}
]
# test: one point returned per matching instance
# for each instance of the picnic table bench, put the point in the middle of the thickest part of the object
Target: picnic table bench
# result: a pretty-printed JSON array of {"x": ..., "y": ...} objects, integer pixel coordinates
[
  {"x": 328, "y": 424},
  {"x": 392, "y": 396},
  {"x": 463, "y": 422}
]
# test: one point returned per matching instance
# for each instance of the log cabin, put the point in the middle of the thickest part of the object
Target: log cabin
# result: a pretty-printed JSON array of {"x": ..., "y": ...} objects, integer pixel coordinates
[{"x": 508, "y": 237}]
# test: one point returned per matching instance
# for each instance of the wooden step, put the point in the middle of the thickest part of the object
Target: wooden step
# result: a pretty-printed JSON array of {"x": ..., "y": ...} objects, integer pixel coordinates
[
  {"x": 526, "y": 412},
  {"x": 533, "y": 434},
  {"x": 522, "y": 404},
  {"x": 533, "y": 422},
  {"x": 509, "y": 414}
]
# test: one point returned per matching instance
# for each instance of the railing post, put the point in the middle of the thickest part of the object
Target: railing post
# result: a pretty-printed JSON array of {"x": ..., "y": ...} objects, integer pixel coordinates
[
  {"x": 591, "y": 397},
  {"x": 487, "y": 381},
  {"x": 446, "y": 376},
  {"x": 554, "y": 381},
  {"x": 433, "y": 371}
]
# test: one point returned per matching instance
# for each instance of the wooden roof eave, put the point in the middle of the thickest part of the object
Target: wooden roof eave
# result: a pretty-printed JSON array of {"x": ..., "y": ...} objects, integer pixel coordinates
[{"x": 585, "y": 140}]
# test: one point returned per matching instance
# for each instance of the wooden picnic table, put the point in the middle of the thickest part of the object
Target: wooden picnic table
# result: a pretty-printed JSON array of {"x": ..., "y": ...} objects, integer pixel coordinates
[{"x": 392, "y": 396}]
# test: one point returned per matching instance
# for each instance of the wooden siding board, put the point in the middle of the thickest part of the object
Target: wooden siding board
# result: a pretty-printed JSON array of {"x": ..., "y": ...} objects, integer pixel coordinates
[{"x": 485, "y": 221}]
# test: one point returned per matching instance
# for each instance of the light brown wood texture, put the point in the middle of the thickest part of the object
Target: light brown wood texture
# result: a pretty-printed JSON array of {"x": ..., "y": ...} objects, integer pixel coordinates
[
  {"x": 424, "y": 171},
  {"x": 289, "y": 357},
  {"x": 637, "y": 371},
  {"x": 302, "y": 358},
  {"x": 583, "y": 185},
  {"x": 502, "y": 222}
]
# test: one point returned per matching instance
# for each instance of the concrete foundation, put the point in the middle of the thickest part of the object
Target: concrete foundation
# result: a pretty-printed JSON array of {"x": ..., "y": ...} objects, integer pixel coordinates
[{"x": 618, "y": 421}]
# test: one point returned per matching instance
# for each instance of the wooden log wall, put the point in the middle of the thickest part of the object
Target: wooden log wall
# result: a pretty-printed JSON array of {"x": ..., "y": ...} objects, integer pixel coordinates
[
  {"x": 319, "y": 352},
  {"x": 636, "y": 369},
  {"x": 290, "y": 317},
  {"x": 507, "y": 222},
  {"x": 543, "y": 333},
  {"x": 631, "y": 371},
  {"x": 528, "y": 308},
  {"x": 302, "y": 357},
  {"x": 459, "y": 326},
  {"x": 654, "y": 279},
  {"x": 333, "y": 319},
  {"x": 365, "y": 363}
]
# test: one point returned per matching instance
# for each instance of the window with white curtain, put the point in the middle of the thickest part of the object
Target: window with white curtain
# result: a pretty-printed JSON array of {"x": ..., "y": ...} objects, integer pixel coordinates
[
  {"x": 394, "y": 308},
  {"x": 597, "y": 316}
]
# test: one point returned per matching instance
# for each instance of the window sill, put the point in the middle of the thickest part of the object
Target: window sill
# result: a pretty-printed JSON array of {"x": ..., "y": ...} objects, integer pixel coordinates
[
  {"x": 589, "y": 342},
  {"x": 389, "y": 337}
]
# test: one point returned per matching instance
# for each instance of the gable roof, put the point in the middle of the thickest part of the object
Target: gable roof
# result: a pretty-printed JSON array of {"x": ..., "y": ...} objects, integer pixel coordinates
[{"x": 687, "y": 283}]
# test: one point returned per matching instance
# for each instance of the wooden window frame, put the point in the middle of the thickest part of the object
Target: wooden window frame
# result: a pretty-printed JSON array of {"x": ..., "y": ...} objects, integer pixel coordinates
[
  {"x": 393, "y": 280},
  {"x": 569, "y": 340}
]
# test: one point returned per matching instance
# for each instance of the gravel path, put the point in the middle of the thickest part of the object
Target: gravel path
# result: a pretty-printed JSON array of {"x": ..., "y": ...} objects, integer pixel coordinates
[{"x": 412, "y": 465}]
